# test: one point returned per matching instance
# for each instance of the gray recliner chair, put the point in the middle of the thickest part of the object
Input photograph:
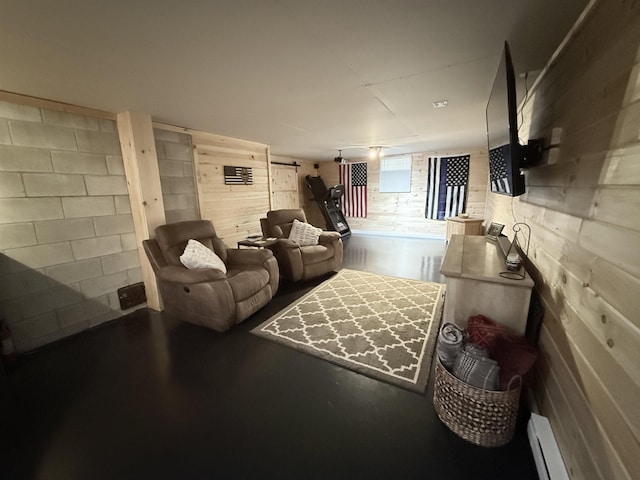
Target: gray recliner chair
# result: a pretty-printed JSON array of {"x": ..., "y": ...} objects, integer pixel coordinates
[
  {"x": 206, "y": 296},
  {"x": 301, "y": 262}
]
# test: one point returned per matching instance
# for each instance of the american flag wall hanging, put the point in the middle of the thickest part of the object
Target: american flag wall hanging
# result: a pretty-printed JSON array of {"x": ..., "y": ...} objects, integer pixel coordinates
[
  {"x": 447, "y": 179},
  {"x": 354, "y": 178},
  {"x": 238, "y": 176},
  {"x": 498, "y": 170}
]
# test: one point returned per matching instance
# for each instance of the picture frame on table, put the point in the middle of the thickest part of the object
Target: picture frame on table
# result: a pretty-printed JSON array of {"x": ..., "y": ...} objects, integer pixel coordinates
[{"x": 494, "y": 230}]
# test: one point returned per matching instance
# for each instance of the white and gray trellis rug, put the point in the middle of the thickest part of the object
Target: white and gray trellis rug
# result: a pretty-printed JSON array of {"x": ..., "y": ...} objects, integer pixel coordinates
[{"x": 380, "y": 326}]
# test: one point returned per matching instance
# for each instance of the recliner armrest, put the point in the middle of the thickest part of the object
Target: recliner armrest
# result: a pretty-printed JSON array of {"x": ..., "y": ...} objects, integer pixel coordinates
[
  {"x": 328, "y": 236},
  {"x": 184, "y": 275},
  {"x": 246, "y": 256},
  {"x": 286, "y": 243}
]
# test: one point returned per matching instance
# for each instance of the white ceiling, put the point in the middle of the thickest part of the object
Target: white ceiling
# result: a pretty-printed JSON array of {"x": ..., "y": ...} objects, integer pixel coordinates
[{"x": 304, "y": 76}]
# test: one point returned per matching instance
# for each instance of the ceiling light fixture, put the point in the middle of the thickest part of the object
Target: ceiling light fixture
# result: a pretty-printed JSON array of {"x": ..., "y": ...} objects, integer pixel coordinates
[
  {"x": 440, "y": 103},
  {"x": 375, "y": 152}
]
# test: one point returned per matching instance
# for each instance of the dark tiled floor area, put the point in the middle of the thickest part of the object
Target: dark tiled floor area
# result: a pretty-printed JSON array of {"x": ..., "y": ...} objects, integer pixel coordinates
[{"x": 148, "y": 396}]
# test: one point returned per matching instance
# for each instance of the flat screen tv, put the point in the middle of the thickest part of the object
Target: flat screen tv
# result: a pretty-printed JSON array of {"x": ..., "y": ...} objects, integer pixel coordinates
[{"x": 506, "y": 155}]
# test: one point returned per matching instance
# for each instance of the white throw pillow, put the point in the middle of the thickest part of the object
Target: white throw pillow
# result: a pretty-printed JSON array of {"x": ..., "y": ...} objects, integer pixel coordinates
[
  {"x": 196, "y": 255},
  {"x": 304, "y": 233}
]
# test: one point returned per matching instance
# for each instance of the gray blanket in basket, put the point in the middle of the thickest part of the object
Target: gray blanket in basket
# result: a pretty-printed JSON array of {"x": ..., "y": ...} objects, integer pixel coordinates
[
  {"x": 451, "y": 340},
  {"x": 473, "y": 366}
]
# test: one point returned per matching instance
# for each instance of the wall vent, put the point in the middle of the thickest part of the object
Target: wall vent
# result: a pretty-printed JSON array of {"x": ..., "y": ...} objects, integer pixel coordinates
[{"x": 132, "y": 295}]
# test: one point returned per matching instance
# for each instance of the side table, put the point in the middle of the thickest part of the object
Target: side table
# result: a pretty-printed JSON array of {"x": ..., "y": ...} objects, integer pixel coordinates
[
  {"x": 257, "y": 243},
  {"x": 463, "y": 226}
]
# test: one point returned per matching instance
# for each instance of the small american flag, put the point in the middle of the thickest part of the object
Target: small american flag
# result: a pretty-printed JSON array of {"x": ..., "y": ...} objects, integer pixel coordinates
[
  {"x": 498, "y": 170},
  {"x": 238, "y": 176},
  {"x": 354, "y": 178},
  {"x": 447, "y": 179}
]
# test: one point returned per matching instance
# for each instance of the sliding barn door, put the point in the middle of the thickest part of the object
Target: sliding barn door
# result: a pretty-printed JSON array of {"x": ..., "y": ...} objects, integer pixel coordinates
[{"x": 284, "y": 187}]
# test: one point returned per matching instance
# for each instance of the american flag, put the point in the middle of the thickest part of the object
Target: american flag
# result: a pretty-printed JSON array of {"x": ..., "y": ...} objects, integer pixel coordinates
[
  {"x": 498, "y": 170},
  {"x": 238, "y": 176},
  {"x": 354, "y": 178},
  {"x": 447, "y": 179}
]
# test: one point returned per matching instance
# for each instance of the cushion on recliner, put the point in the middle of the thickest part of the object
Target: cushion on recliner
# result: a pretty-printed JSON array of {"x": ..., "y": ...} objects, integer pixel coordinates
[
  {"x": 304, "y": 233},
  {"x": 196, "y": 255}
]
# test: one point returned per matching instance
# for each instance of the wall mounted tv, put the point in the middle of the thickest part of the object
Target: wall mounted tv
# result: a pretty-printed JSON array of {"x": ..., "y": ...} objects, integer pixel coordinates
[{"x": 506, "y": 155}]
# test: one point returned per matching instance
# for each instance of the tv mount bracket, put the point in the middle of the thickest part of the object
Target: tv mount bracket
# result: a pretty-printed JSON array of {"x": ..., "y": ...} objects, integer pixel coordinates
[{"x": 531, "y": 152}]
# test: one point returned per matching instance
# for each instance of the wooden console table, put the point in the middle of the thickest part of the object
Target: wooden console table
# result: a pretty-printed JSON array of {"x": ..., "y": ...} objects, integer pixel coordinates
[{"x": 472, "y": 266}]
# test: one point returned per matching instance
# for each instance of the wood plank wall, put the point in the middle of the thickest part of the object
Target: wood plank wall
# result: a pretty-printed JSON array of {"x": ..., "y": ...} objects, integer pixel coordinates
[
  {"x": 403, "y": 213},
  {"x": 582, "y": 206},
  {"x": 234, "y": 210}
]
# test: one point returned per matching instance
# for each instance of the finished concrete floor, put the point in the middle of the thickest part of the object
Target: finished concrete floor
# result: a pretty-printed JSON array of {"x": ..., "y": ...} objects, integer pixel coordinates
[{"x": 150, "y": 397}]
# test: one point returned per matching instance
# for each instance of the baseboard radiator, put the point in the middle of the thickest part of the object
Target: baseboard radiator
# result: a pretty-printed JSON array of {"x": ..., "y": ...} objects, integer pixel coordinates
[{"x": 545, "y": 449}]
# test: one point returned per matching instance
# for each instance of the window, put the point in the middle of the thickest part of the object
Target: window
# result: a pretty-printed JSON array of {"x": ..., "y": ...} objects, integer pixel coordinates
[{"x": 395, "y": 174}]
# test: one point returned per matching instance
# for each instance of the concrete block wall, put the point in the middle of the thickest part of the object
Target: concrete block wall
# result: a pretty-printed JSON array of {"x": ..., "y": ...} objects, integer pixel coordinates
[
  {"x": 175, "y": 162},
  {"x": 67, "y": 242}
]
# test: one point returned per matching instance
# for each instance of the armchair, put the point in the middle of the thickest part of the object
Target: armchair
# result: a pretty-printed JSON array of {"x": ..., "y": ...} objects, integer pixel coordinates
[
  {"x": 301, "y": 262},
  {"x": 206, "y": 296}
]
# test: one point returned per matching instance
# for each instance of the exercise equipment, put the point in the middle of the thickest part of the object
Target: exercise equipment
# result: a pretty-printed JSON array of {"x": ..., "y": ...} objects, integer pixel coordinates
[{"x": 328, "y": 200}]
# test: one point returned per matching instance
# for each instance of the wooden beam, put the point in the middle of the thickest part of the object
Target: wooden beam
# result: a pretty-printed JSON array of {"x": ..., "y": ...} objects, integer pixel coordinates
[
  {"x": 212, "y": 139},
  {"x": 145, "y": 193}
]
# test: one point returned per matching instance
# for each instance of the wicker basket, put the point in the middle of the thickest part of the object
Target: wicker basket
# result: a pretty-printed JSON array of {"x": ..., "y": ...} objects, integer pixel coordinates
[{"x": 483, "y": 417}]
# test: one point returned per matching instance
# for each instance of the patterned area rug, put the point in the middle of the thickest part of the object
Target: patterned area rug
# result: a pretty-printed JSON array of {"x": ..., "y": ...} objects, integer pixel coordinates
[{"x": 383, "y": 327}]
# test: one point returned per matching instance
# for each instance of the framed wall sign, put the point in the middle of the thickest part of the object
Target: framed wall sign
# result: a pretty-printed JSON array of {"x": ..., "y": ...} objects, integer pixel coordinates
[{"x": 238, "y": 176}]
